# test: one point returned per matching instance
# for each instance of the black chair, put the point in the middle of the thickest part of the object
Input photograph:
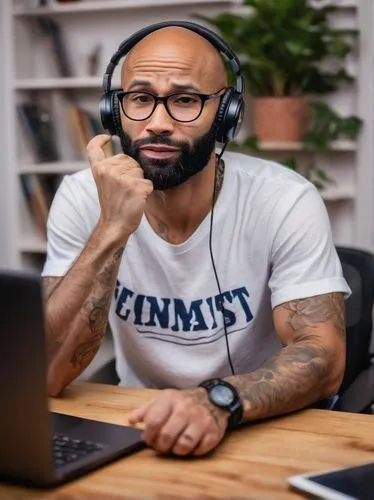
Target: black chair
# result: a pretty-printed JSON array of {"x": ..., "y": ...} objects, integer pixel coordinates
[
  {"x": 356, "y": 393},
  {"x": 107, "y": 374}
]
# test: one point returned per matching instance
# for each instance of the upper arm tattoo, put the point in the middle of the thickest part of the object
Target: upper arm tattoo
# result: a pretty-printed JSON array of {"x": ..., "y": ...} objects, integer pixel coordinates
[{"x": 309, "y": 313}]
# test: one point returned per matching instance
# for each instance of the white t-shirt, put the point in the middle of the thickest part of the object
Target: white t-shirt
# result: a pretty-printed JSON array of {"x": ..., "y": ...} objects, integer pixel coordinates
[{"x": 271, "y": 244}]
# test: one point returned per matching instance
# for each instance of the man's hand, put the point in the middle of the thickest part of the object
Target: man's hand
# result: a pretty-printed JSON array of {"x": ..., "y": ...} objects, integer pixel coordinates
[
  {"x": 181, "y": 422},
  {"x": 121, "y": 187}
]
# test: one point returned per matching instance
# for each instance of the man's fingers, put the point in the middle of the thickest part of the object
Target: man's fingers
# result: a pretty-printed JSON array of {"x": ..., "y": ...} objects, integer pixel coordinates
[
  {"x": 138, "y": 415},
  {"x": 174, "y": 422},
  {"x": 156, "y": 418},
  {"x": 97, "y": 147},
  {"x": 148, "y": 186},
  {"x": 207, "y": 443},
  {"x": 108, "y": 148},
  {"x": 189, "y": 439},
  {"x": 168, "y": 435}
]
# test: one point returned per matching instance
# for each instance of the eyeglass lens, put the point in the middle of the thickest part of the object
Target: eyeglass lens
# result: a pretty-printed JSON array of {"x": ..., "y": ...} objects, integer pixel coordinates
[{"x": 181, "y": 107}]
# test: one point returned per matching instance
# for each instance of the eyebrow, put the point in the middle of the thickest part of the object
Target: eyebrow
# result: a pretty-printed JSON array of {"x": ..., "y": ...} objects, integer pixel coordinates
[{"x": 176, "y": 86}]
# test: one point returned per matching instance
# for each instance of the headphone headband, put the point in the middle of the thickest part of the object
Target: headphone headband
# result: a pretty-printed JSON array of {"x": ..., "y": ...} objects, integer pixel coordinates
[
  {"x": 206, "y": 33},
  {"x": 230, "y": 110}
]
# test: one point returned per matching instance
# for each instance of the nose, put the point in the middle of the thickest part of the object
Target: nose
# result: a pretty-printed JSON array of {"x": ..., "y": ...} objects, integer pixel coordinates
[{"x": 160, "y": 122}]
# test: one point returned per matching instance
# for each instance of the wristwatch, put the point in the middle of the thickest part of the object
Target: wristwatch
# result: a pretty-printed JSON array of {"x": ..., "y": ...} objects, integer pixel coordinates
[{"x": 226, "y": 397}]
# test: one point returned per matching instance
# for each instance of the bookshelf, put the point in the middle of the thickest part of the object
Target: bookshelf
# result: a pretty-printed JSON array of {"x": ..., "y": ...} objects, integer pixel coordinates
[
  {"x": 113, "y": 5},
  {"x": 52, "y": 168},
  {"x": 118, "y": 5},
  {"x": 30, "y": 74}
]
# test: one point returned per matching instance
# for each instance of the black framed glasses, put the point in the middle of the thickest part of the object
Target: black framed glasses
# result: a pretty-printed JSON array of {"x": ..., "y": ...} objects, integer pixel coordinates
[{"x": 182, "y": 106}]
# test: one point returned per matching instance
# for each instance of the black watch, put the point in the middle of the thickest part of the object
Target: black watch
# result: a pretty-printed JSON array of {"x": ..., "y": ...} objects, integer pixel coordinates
[{"x": 225, "y": 396}]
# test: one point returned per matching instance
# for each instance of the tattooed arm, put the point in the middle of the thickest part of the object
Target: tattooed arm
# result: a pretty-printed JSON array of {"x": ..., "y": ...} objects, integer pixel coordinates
[
  {"x": 77, "y": 308},
  {"x": 311, "y": 365},
  {"x": 309, "y": 368}
]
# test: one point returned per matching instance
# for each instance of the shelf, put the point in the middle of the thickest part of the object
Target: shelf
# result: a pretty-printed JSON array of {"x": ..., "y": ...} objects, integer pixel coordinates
[
  {"x": 337, "y": 194},
  {"x": 60, "y": 167},
  {"x": 343, "y": 4},
  {"x": 32, "y": 244},
  {"x": 94, "y": 82},
  {"x": 341, "y": 145},
  {"x": 111, "y": 5},
  {"x": 289, "y": 147}
]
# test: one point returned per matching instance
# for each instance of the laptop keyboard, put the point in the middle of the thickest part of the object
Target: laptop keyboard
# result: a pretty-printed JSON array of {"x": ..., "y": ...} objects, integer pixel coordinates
[{"x": 67, "y": 450}]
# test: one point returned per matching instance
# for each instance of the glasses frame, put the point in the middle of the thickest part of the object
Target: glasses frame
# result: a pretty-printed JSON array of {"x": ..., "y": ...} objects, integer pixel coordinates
[{"x": 164, "y": 99}]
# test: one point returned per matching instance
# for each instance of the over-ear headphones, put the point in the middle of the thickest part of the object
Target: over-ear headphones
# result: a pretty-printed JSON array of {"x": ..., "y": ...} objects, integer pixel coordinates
[{"x": 231, "y": 108}]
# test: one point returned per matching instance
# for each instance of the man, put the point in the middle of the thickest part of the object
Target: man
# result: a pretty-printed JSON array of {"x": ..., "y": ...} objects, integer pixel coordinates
[{"x": 129, "y": 240}]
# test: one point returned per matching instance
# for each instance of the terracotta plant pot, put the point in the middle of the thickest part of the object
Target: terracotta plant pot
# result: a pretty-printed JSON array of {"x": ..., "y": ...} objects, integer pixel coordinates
[{"x": 280, "y": 119}]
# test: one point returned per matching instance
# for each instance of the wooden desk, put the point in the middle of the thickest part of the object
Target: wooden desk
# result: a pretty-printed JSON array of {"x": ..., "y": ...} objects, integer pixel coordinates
[{"x": 253, "y": 462}]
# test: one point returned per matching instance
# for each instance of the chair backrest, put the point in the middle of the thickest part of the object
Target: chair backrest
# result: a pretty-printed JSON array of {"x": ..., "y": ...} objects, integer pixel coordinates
[{"x": 358, "y": 270}]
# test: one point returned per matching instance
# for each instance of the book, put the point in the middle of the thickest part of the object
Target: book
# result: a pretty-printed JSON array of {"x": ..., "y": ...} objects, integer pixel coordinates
[
  {"x": 37, "y": 201},
  {"x": 39, "y": 129},
  {"x": 51, "y": 29},
  {"x": 83, "y": 126}
]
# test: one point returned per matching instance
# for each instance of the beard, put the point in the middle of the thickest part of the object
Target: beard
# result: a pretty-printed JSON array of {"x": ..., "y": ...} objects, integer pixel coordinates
[{"x": 167, "y": 174}]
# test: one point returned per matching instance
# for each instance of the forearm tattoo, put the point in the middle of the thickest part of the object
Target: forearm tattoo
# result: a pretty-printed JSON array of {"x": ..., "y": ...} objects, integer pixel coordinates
[
  {"x": 96, "y": 309},
  {"x": 296, "y": 376}
]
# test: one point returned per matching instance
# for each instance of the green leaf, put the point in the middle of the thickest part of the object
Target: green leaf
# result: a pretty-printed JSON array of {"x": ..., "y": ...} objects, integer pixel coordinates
[
  {"x": 291, "y": 163},
  {"x": 322, "y": 176},
  {"x": 251, "y": 143},
  {"x": 326, "y": 125},
  {"x": 318, "y": 184},
  {"x": 282, "y": 44}
]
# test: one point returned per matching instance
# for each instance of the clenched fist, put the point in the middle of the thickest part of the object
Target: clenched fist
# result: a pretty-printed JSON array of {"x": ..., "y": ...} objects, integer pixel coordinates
[
  {"x": 121, "y": 187},
  {"x": 183, "y": 422}
]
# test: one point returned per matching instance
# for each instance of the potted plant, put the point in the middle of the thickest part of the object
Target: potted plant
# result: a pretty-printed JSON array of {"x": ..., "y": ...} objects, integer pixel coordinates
[
  {"x": 324, "y": 127},
  {"x": 288, "y": 50}
]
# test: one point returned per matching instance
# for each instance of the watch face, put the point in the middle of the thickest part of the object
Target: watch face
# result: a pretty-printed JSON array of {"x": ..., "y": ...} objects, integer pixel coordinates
[{"x": 222, "y": 395}]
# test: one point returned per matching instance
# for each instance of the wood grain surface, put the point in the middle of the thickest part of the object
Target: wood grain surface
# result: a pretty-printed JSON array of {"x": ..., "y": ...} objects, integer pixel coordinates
[{"x": 252, "y": 462}]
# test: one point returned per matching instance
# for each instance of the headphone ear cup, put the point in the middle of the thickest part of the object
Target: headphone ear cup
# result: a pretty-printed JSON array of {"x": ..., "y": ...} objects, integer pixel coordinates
[
  {"x": 110, "y": 114},
  {"x": 116, "y": 113},
  {"x": 229, "y": 116},
  {"x": 219, "y": 123}
]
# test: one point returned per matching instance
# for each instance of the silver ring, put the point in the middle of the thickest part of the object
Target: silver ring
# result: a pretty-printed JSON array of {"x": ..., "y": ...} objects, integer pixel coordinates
[{"x": 187, "y": 437}]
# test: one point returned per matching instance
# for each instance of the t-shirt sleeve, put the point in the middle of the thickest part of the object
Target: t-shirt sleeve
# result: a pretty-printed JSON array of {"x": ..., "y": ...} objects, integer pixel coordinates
[
  {"x": 66, "y": 229},
  {"x": 304, "y": 261}
]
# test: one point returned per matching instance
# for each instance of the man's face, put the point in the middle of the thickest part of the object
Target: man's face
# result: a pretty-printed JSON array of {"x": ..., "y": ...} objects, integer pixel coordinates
[
  {"x": 171, "y": 152},
  {"x": 175, "y": 168}
]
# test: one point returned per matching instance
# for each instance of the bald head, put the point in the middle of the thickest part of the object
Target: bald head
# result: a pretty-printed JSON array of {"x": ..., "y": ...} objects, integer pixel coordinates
[{"x": 179, "y": 53}]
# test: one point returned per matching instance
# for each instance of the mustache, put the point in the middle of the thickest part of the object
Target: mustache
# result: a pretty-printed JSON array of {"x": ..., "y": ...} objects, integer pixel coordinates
[{"x": 159, "y": 139}]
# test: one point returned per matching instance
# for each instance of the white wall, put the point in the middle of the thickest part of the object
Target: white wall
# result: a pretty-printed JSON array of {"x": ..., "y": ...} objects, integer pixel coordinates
[{"x": 7, "y": 203}]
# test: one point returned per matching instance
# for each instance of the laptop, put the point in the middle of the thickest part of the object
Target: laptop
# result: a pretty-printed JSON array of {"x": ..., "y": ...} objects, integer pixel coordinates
[{"x": 39, "y": 447}]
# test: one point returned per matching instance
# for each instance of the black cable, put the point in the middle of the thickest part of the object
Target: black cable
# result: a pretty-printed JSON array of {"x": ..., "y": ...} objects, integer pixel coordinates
[{"x": 212, "y": 258}]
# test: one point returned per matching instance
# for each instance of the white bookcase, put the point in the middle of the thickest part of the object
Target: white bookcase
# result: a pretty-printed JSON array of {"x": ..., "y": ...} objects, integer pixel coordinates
[{"x": 29, "y": 71}]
